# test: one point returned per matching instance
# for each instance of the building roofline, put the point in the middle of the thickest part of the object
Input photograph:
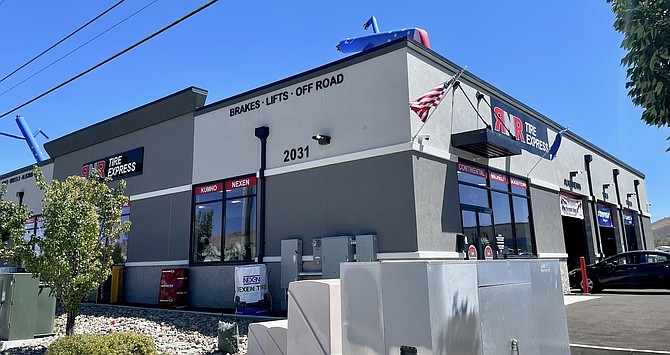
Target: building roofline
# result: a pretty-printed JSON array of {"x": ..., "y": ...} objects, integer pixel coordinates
[
  {"x": 427, "y": 53},
  {"x": 478, "y": 82},
  {"x": 160, "y": 110},
  {"x": 338, "y": 64},
  {"x": 24, "y": 169}
]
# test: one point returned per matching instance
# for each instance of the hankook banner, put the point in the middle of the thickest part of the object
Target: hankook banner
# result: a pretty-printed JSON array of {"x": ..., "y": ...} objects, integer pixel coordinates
[
  {"x": 529, "y": 132},
  {"x": 571, "y": 207}
]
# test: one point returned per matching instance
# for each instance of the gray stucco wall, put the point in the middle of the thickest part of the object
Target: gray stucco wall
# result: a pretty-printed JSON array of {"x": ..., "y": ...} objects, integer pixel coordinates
[
  {"x": 437, "y": 204},
  {"x": 590, "y": 231},
  {"x": 160, "y": 228},
  {"x": 168, "y": 155},
  {"x": 648, "y": 234},
  {"x": 160, "y": 225},
  {"x": 209, "y": 286},
  {"x": 23, "y": 180},
  {"x": 546, "y": 211},
  {"x": 368, "y": 196}
]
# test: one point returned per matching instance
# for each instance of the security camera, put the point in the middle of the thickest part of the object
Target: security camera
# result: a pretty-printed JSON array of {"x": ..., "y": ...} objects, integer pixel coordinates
[{"x": 423, "y": 137}]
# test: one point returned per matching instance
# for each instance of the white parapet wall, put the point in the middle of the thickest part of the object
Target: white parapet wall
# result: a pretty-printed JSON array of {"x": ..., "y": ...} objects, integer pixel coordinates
[
  {"x": 267, "y": 338},
  {"x": 314, "y": 318}
]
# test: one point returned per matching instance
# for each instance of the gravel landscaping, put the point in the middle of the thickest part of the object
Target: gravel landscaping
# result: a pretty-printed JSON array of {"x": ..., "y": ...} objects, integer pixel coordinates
[{"x": 174, "y": 332}]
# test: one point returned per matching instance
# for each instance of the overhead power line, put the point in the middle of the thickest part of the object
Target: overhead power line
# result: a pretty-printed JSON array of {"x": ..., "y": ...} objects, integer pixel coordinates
[
  {"x": 61, "y": 41},
  {"x": 76, "y": 49},
  {"x": 110, "y": 58}
]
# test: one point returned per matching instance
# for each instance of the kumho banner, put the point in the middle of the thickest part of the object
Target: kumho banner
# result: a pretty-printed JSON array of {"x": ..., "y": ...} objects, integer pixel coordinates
[{"x": 529, "y": 132}]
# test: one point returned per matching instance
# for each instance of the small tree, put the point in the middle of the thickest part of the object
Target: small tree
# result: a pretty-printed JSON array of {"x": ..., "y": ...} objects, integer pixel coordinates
[
  {"x": 13, "y": 248},
  {"x": 82, "y": 223}
]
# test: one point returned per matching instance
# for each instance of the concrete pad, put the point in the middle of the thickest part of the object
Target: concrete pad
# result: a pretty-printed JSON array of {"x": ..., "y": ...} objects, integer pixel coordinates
[
  {"x": 570, "y": 299},
  {"x": 577, "y": 349}
]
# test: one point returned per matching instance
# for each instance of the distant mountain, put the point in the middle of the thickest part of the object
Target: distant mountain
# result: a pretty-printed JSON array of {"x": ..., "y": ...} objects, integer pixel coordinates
[{"x": 661, "y": 230}]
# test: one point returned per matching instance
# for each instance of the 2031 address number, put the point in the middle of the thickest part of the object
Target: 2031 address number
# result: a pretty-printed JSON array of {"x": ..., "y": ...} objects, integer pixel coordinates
[{"x": 296, "y": 153}]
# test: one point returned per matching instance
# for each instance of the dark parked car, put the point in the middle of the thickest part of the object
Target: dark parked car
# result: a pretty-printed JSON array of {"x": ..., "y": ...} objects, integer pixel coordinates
[{"x": 634, "y": 270}]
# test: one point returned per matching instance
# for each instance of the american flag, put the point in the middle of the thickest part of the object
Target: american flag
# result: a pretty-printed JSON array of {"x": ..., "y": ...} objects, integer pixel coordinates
[{"x": 422, "y": 105}]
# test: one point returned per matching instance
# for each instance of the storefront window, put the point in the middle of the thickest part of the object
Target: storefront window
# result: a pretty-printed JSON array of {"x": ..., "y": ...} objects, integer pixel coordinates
[
  {"x": 519, "y": 187},
  {"x": 34, "y": 227},
  {"x": 473, "y": 196},
  {"x": 224, "y": 221},
  {"x": 207, "y": 232},
  {"x": 524, "y": 240},
  {"x": 498, "y": 181},
  {"x": 502, "y": 217},
  {"x": 471, "y": 174},
  {"x": 503, "y": 196},
  {"x": 120, "y": 254},
  {"x": 240, "y": 233}
]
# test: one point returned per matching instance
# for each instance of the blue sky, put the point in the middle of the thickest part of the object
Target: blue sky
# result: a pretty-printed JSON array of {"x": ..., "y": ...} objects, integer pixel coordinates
[{"x": 560, "y": 58}]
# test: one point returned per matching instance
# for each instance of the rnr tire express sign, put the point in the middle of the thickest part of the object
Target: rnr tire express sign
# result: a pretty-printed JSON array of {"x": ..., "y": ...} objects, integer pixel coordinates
[{"x": 117, "y": 166}]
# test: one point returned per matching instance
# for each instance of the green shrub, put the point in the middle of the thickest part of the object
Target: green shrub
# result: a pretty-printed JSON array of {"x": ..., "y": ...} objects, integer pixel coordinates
[{"x": 108, "y": 344}]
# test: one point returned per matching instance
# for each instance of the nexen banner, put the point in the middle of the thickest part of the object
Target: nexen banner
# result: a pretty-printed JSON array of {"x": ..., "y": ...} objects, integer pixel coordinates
[
  {"x": 530, "y": 133},
  {"x": 251, "y": 283}
]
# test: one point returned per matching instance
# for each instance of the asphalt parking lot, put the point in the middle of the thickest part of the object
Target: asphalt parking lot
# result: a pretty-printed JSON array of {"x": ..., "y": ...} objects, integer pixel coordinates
[{"x": 628, "y": 319}]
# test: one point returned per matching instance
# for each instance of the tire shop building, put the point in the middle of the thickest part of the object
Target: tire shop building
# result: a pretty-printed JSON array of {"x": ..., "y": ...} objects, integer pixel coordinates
[{"x": 336, "y": 152}]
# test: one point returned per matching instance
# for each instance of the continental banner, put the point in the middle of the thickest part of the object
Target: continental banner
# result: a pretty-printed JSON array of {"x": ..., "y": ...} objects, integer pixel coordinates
[{"x": 571, "y": 207}]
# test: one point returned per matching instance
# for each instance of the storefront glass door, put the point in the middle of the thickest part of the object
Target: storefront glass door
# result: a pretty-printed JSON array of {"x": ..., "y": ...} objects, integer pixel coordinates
[{"x": 478, "y": 228}]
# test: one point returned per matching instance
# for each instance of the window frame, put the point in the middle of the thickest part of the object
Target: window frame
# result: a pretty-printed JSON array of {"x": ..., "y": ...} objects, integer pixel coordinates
[
  {"x": 223, "y": 202},
  {"x": 509, "y": 192}
]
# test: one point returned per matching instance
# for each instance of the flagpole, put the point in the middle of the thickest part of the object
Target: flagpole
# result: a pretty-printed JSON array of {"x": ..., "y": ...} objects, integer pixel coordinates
[
  {"x": 450, "y": 83},
  {"x": 545, "y": 153}
]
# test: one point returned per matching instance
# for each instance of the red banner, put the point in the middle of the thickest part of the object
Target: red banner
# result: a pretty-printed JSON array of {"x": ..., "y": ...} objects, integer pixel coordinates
[
  {"x": 240, "y": 183},
  {"x": 519, "y": 183},
  {"x": 173, "y": 291},
  {"x": 498, "y": 177},
  {"x": 471, "y": 169},
  {"x": 208, "y": 189}
]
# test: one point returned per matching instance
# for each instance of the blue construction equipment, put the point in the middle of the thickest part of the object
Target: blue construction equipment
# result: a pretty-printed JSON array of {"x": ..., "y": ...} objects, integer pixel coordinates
[
  {"x": 362, "y": 43},
  {"x": 35, "y": 148}
]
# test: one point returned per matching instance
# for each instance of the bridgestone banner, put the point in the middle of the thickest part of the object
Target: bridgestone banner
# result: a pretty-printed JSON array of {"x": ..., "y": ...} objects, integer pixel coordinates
[{"x": 571, "y": 207}]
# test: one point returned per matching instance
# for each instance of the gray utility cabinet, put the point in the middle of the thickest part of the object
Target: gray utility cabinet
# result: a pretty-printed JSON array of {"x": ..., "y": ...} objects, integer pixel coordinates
[
  {"x": 453, "y": 307},
  {"x": 291, "y": 261},
  {"x": 18, "y": 306},
  {"x": 335, "y": 250}
]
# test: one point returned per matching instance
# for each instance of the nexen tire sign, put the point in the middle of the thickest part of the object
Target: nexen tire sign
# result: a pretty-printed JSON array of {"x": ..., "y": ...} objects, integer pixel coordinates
[
  {"x": 530, "y": 133},
  {"x": 251, "y": 283}
]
